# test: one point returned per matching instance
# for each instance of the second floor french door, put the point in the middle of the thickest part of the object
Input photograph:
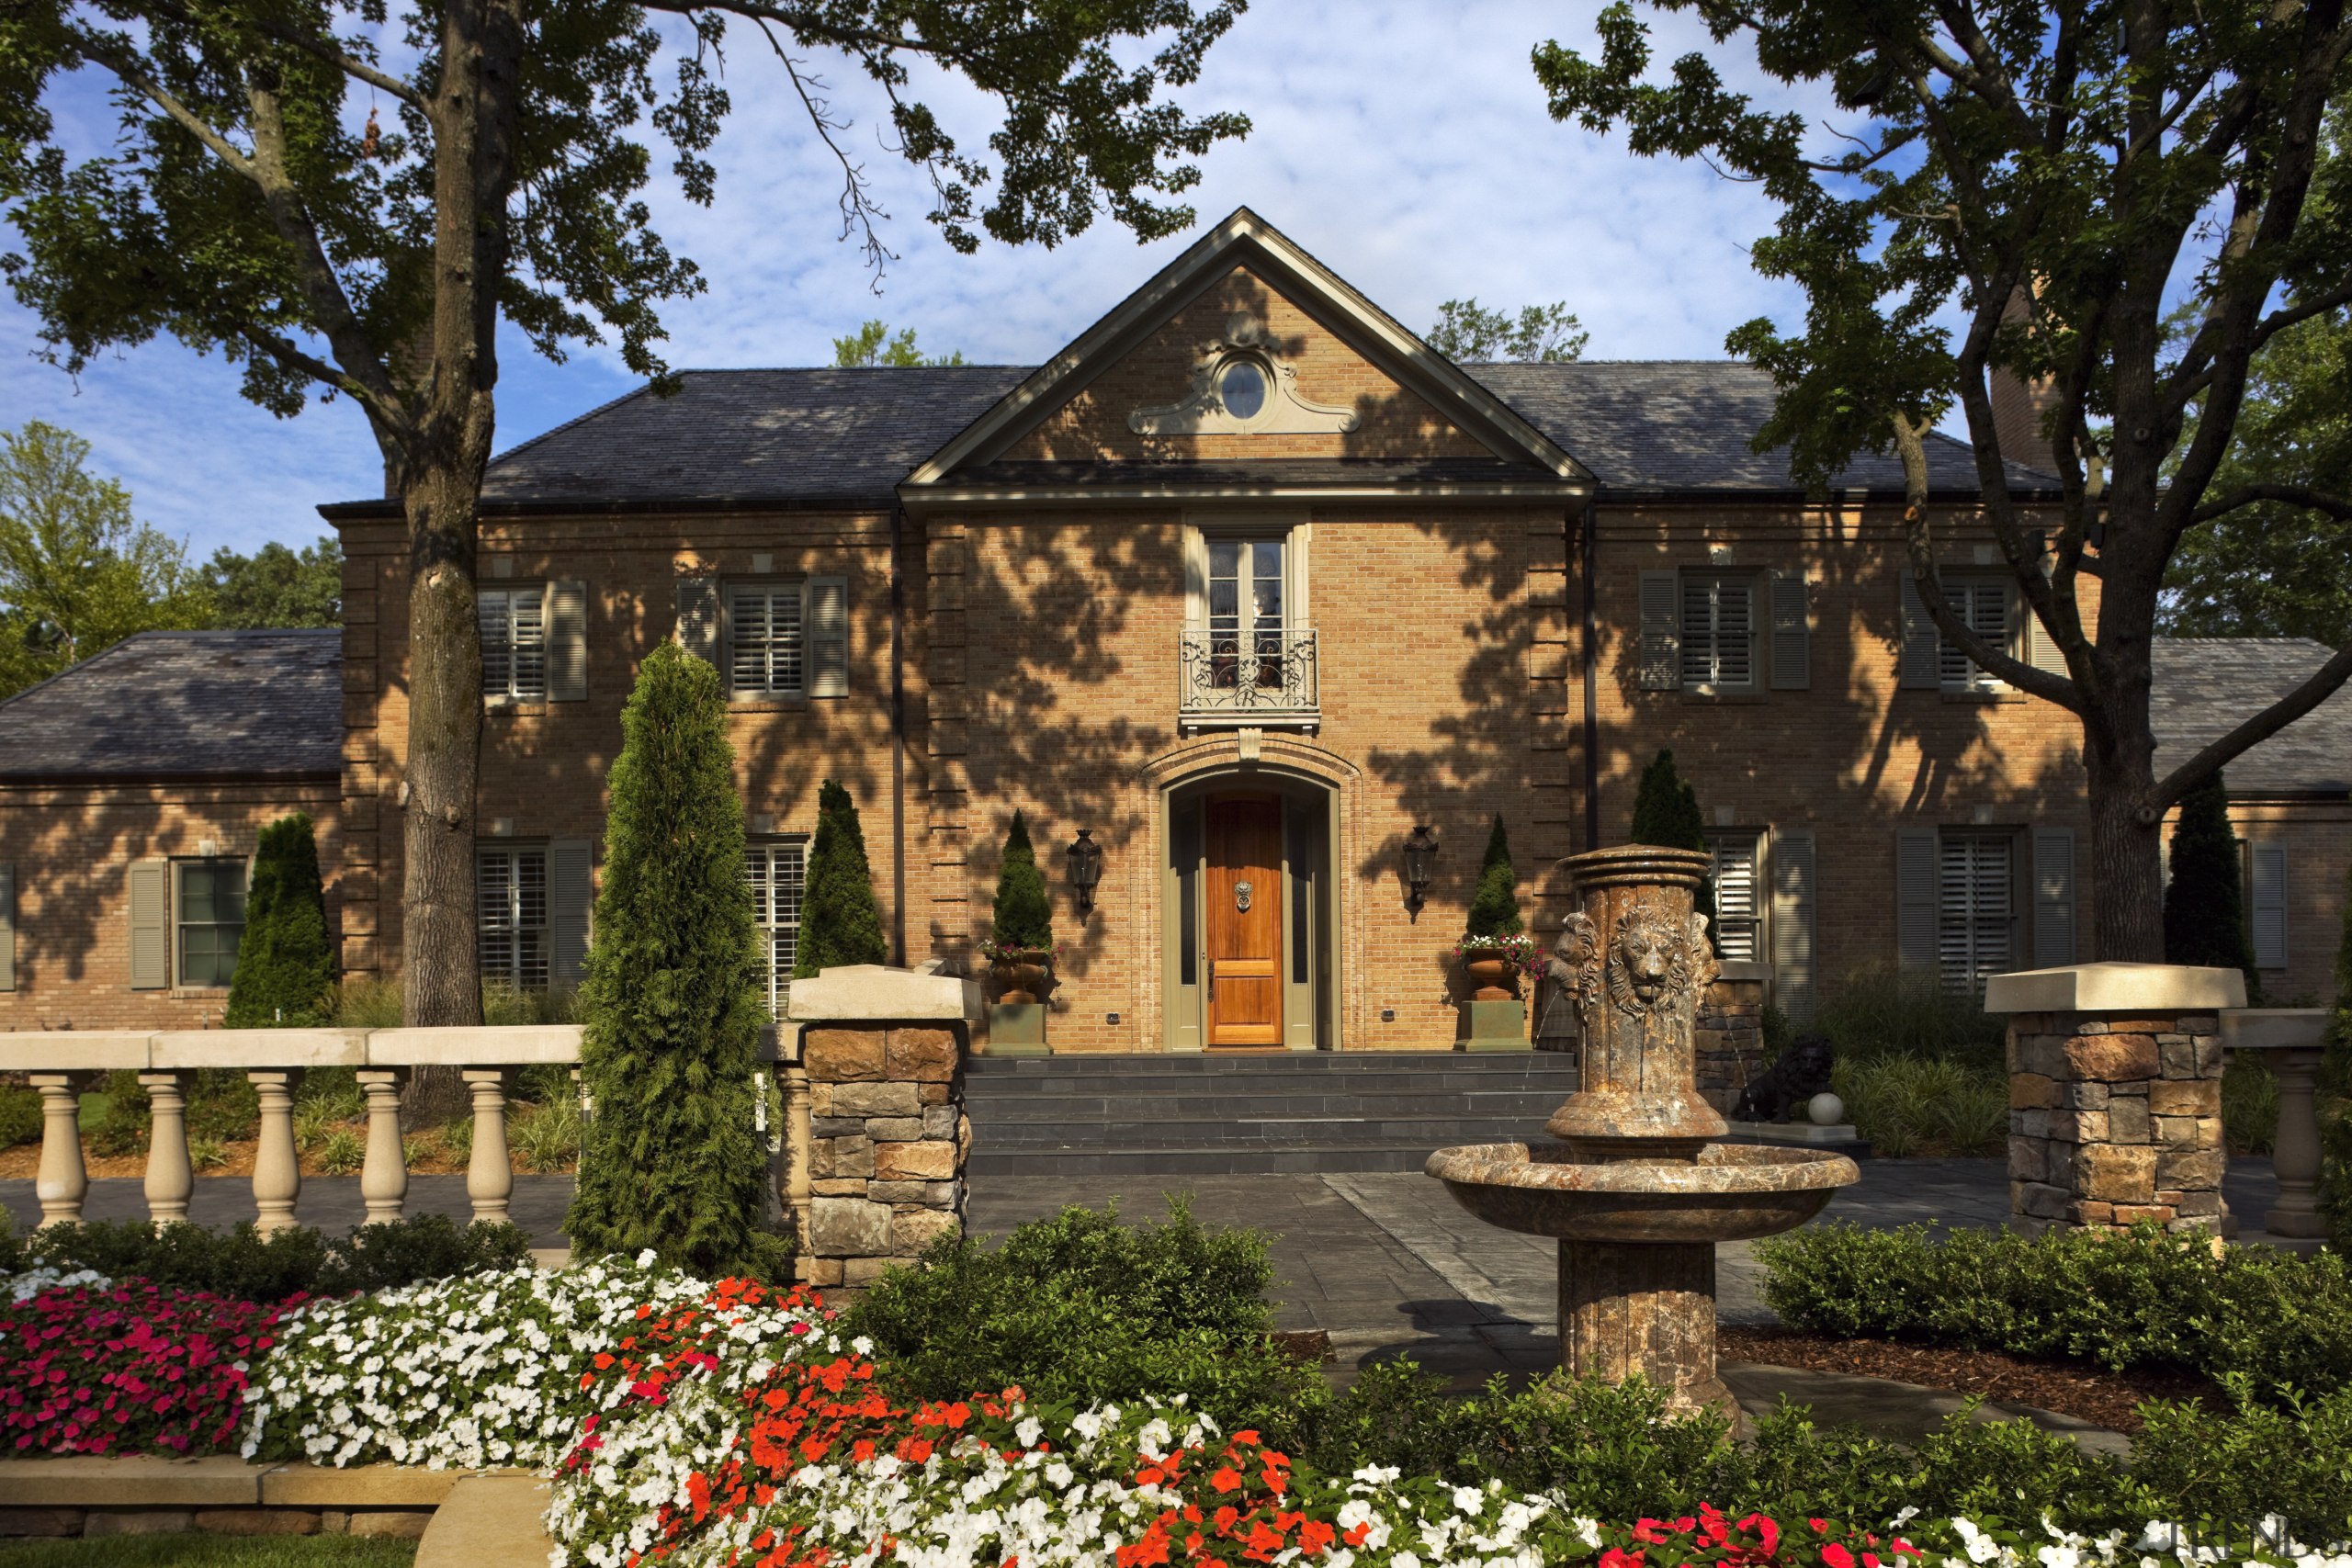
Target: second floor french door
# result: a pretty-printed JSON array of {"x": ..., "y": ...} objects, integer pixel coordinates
[{"x": 1246, "y": 611}]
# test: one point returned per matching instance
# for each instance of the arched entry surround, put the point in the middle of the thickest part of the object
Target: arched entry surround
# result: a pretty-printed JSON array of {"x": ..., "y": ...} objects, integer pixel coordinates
[{"x": 1296, "y": 770}]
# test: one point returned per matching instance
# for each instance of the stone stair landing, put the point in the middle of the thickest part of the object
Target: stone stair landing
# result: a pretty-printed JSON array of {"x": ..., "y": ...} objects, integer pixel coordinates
[{"x": 1206, "y": 1114}]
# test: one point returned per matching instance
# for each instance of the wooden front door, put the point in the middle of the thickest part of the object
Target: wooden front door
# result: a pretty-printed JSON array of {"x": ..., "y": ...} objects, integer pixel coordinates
[{"x": 1244, "y": 890}]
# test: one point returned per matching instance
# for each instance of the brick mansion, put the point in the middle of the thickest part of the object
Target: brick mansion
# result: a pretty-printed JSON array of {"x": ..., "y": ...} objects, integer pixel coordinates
[{"x": 1248, "y": 583}]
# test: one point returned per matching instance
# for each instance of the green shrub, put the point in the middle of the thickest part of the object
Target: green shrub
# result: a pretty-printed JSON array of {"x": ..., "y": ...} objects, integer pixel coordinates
[
  {"x": 223, "y": 1107},
  {"x": 1666, "y": 813},
  {"x": 1023, "y": 913},
  {"x": 547, "y": 1138},
  {"x": 1080, "y": 1307},
  {"x": 2249, "y": 1105},
  {"x": 1494, "y": 907},
  {"x": 2205, "y": 899},
  {"x": 672, "y": 996},
  {"x": 839, "y": 921},
  {"x": 372, "y": 1003},
  {"x": 244, "y": 1264},
  {"x": 2282, "y": 1321},
  {"x": 285, "y": 974},
  {"x": 20, "y": 1115},
  {"x": 1904, "y": 1105},
  {"x": 1884, "y": 1010},
  {"x": 2292, "y": 1458}
]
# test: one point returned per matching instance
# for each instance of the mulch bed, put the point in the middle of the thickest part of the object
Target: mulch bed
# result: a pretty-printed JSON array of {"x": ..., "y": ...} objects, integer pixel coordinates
[{"x": 2079, "y": 1389}]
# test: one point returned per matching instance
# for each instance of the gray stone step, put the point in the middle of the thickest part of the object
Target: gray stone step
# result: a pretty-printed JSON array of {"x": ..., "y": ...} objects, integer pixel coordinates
[
  {"x": 1143, "y": 1161},
  {"x": 1098, "y": 1106},
  {"x": 1288, "y": 1132}
]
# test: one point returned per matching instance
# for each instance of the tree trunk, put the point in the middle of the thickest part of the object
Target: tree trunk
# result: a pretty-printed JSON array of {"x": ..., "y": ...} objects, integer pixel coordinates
[{"x": 2127, "y": 839}]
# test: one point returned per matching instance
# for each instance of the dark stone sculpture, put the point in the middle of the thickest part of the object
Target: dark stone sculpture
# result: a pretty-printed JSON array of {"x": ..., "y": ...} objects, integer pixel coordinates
[{"x": 1782, "y": 1090}]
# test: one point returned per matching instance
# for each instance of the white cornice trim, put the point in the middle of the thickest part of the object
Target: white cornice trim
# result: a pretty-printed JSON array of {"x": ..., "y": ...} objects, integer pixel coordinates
[
  {"x": 1245, "y": 235},
  {"x": 932, "y": 500}
]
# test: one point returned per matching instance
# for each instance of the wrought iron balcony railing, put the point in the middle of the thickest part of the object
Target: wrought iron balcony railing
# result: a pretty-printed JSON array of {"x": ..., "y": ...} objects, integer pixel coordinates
[{"x": 1263, "y": 675}]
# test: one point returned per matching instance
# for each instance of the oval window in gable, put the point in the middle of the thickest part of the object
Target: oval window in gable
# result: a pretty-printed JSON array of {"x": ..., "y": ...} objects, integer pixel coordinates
[{"x": 1241, "y": 386}]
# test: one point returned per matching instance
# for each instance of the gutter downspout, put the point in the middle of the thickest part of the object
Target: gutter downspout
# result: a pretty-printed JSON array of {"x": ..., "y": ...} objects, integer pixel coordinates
[
  {"x": 1592, "y": 553},
  {"x": 898, "y": 747}
]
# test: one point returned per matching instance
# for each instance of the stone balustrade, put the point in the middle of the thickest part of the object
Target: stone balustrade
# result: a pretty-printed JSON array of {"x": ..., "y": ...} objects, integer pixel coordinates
[
  {"x": 59, "y": 1063},
  {"x": 2293, "y": 1041}
]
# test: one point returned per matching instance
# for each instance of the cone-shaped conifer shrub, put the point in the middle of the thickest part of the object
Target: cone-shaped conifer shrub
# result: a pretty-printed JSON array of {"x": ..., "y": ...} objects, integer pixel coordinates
[
  {"x": 285, "y": 960},
  {"x": 1023, "y": 913},
  {"x": 1494, "y": 907},
  {"x": 839, "y": 921},
  {"x": 2205, "y": 899},
  {"x": 1666, "y": 813},
  {"x": 672, "y": 1001}
]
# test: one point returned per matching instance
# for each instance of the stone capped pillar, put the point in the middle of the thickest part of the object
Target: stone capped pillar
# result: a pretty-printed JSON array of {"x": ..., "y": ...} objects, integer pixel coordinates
[
  {"x": 883, "y": 1053},
  {"x": 1729, "y": 1038},
  {"x": 2115, "y": 1094}
]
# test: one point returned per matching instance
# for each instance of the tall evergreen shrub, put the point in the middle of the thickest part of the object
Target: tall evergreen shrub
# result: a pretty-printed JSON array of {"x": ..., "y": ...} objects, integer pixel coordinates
[
  {"x": 672, "y": 1001},
  {"x": 1666, "y": 813},
  {"x": 839, "y": 921},
  {"x": 1494, "y": 907},
  {"x": 2205, "y": 900},
  {"x": 285, "y": 961},
  {"x": 1024, "y": 912}
]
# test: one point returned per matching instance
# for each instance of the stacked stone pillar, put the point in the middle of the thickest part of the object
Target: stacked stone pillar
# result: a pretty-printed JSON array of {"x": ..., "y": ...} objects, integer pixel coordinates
[
  {"x": 2115, "y": 1094},
  {"x": 1729, "y": 1037},
  {"x": 887, "y": 1132}
]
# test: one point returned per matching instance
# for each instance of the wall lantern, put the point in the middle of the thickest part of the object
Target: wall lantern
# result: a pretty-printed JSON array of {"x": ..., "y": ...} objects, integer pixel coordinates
[
  {"x": 1420, "y": 863},
  {"x": 1085, "y": 869}
]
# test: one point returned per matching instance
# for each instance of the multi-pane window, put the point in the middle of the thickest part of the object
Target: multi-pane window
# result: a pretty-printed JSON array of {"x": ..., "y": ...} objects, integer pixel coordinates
[
  {"x": 514, "y": 643},
  {"x": 208, "y": 908},
  {"x": 1975, "y": 911},
  {"x": 775, "y": 868},
  {"x": 1982, "y": 604},
  {"x": 1739, "y": 921},
  {"x": 1245, "y": 611},
  {"x": 511, "y": 916},
  {"x": 766, "y": 649},
  {"x": 1718, "y": 632}
]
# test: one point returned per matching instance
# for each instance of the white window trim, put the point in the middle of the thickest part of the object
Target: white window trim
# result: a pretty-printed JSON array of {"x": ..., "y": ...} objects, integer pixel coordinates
[
  {"x": 1297, "y": 534},
  {"x": 1753, "y": 582}
]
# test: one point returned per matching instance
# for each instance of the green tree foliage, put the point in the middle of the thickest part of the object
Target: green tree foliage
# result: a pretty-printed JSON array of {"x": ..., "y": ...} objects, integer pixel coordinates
[
  {"x": 276, "y": 586},
  {"x": 1024, "y": 916},
  {"x": 1468, "y": 334},
  {"x": 1994, "y": 188},
  {"x": 78, "y": 573},
  {"x": 354, "y": 198},
  {"x": 671, "y": 998},
  {"x": 1666, "y": 813},
  {"x": 839, "y": 921},
  {"x": 285, "y": 960},
  {"x": 873, "y": 345},
  {"x": 1494, "y": 907},
  {"x": 2205, "y": 900}
]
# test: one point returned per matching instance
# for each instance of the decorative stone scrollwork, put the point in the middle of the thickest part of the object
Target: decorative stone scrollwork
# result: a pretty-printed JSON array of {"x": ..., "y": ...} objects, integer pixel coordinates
[{"x": 1268, "y": 403}]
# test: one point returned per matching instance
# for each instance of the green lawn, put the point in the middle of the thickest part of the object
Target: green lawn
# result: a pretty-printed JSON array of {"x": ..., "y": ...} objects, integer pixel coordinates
[{"x": 195, "y": 1550}]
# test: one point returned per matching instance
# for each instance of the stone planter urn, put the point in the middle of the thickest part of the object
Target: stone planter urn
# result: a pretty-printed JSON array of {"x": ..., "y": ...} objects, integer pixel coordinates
[
  {"x": 1494, "y": 979},
  {"x": 1020, "y": 979}
]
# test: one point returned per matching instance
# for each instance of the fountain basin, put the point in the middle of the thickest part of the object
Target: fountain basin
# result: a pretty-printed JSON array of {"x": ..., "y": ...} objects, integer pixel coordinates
[{"x": 1731, "y": 1192}]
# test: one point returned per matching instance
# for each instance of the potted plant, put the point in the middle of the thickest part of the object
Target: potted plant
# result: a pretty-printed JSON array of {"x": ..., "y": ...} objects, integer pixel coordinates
[
  {"x": 1020, "y": 945},
  {"x": 1495, "y": 949}
]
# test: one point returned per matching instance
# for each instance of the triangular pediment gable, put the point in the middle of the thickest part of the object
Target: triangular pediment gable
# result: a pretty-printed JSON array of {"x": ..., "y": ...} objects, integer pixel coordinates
[{"x": 1346, "y": 385}]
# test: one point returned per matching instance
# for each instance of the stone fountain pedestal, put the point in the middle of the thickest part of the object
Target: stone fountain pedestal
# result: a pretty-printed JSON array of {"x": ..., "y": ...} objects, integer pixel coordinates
[{"x": 1636, "y": 1186}]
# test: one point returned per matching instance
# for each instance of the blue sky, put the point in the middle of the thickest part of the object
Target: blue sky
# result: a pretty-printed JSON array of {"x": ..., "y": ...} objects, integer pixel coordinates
[{"x": 1406, "y": 144}]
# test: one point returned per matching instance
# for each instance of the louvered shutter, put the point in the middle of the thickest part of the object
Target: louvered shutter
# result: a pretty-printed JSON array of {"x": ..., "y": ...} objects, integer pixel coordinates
[
  {"x": 2054, "y": 897},
  {"x": 567, "y": 637},
  {"x": 497, "y": 643},
  {"x": 828, "y": 634},
  {"x": 7, "y": 927},
  {"x": 748, "y": 639},
  {"x": 1922, "y": 643},
  {"x": 571, "y": 897},
  {"x": 526, "y": 619},
  {"x": 150, "y": 947},
  {"x": 698, "y": 616},
  {"x": 1661, "y": 645},
  {"x": 1973, "y": 936},
  {"x": 2267, "y": 912},
  {"x": 1792, "y": 633},
  {"x": 1735, "y": 647},
  {"x": 2040, "y": 648},
  {"x": 1792, "y": 923},
  {"x": 1736, "y": 895},
  {"x": 1915, "y": 897}
]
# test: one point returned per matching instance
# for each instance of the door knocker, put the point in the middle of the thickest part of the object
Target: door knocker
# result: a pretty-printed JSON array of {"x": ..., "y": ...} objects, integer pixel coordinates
[{"x": 1241, "y": 896}]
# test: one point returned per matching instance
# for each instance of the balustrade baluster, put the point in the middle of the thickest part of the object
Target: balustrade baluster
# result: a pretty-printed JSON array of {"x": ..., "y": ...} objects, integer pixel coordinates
[
  {"x": 795, "y": 1149},
  {"x": 171, "y": 1177},
  {"x": 490, "y": 1174},
  {"x": 383, "y": 1175},
  {"x": 62, "y": 1179},
  {"x": 277, "y": 1174},
  {"x": 2295, "y": 1148}
]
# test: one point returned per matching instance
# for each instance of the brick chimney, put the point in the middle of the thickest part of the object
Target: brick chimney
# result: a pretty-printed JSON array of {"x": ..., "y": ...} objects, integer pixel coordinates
[{"x": 2020, "y": 406}]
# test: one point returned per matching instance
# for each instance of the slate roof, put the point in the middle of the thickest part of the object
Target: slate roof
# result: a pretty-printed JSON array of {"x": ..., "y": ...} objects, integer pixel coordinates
[
  {"x": 183, "y": 705},
  {"x": 2206, "y": 686},
  {"x": 736, "y": 439}
]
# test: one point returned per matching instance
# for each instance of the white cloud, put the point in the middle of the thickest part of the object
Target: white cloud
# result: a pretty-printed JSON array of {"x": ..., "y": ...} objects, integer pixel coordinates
[{"x": 1405, "y": 144}]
